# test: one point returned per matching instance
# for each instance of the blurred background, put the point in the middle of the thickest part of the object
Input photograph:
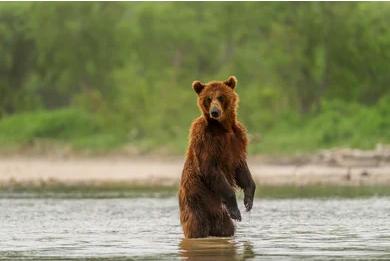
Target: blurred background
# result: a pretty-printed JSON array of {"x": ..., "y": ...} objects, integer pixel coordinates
[
  {"x": 103, "y": 77},
  {"x": 96, "y": 103}
]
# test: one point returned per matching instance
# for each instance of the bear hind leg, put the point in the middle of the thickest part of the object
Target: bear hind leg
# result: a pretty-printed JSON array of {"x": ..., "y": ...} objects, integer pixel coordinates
[
  {"x": 195, "y": 227},
  {"x": 222, "y": 226}
]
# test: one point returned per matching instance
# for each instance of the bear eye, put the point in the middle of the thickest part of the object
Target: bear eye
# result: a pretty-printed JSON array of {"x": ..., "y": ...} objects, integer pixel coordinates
[
  {"x": 208, "y": 99},
  {"x": 221, "y": 98}
]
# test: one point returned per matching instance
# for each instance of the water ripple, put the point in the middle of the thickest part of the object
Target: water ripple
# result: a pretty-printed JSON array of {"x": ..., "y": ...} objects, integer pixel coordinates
[{"x": 148, "y": 228}]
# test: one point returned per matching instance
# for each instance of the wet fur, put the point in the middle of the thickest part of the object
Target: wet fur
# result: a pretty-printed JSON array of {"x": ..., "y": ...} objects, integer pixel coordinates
[{"x": 215, "y": 165}]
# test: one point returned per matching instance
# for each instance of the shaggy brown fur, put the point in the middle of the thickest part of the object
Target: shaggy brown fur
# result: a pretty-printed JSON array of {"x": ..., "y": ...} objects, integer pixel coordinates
[{"x": 215, "y": 164}]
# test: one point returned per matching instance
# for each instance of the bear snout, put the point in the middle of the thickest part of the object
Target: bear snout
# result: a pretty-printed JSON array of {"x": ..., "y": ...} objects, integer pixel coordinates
[{"x": 215, "y": 113}]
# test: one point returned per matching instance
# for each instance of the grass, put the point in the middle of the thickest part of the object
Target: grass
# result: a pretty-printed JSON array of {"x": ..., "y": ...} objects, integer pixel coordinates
[
  {"x": 70, "y": 126},
  {"x": 336, "y": 124},
  {"x": 106, "y": 190},
  {"x": 116, "y": 190},
  {"x": 321, "y": 191}
]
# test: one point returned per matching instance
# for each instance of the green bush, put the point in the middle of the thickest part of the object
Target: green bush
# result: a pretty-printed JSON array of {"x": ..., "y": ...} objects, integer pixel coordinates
[
  {"x": 335, "y": 124},
  {"x": 62, "y": 125}
]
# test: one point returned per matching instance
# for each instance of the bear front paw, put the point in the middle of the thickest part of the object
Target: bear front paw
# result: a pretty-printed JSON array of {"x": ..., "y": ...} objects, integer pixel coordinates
[
  {"x": 235, "y": 214},
  {"x": 248, "y": 202}
]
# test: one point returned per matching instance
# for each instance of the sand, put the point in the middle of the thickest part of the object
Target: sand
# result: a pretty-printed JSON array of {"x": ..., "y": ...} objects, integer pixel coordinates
[{"x": 151, "y": 171}]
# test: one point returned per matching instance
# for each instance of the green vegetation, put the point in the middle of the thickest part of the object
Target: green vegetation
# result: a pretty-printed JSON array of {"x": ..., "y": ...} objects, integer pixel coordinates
[
  {"x": 338, "y": 124},
  {"x": 100, "y": 76},
  {"x": 64, "y": 126},
  {"x": 115, "y": 190},
  {"x": 106, "y": 190},
  {"x": 325, "y": 191}
]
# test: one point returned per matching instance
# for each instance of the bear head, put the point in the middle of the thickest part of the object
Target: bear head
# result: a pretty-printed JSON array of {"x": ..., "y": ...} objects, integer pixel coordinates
[{"x": 217, "y": 100}]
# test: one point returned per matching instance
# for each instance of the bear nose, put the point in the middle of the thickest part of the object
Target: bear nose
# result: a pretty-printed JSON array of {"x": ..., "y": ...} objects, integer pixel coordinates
[{"x": 214, "y": 113}]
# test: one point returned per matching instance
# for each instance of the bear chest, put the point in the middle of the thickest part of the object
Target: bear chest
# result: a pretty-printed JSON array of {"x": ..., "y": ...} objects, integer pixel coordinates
[{"x": 227, "y": 149}]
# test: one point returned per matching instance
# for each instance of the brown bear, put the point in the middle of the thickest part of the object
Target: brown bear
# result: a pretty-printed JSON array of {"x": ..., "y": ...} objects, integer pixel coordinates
[{"x": 215, "y": 164}]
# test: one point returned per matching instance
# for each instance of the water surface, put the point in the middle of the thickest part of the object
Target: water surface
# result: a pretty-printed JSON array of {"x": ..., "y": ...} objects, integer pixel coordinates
[{"x": 147, "y": 228}]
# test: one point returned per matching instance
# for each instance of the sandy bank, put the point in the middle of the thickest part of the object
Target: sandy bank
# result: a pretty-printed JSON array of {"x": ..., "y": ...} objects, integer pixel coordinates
[{"x": 142, "y": 171}]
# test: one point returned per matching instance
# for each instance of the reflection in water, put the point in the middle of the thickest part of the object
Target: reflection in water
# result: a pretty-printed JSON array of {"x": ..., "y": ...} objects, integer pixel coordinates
[
  {"x": 218, "y": 249},
  {"x": 248, "y": 250}
]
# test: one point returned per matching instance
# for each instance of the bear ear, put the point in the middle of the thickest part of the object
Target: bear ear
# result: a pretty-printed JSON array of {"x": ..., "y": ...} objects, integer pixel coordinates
[
  {"x": 231, "y": 82},
  {"x": 198, "y": 86}
]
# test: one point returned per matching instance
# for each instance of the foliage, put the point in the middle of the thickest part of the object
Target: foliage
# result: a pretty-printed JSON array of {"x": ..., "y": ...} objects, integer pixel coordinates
[
  {"x": 311, "y": 75},
  {"x": 338, "y": 124}
]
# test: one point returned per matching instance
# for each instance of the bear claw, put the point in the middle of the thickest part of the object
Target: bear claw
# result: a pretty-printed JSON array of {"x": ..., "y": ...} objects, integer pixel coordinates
[
  {"x": 248, "y": 204},
  {"x": 235, "y": 214}
]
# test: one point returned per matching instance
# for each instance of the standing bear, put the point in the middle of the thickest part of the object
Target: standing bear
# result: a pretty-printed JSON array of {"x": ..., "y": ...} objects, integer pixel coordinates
[{"x": 215, "y": 164}]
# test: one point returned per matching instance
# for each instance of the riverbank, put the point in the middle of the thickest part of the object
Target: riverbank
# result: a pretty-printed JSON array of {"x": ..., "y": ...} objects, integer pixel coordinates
[
  {"x": 125, "y": 176},
  {"x": 166, "y": 172}
]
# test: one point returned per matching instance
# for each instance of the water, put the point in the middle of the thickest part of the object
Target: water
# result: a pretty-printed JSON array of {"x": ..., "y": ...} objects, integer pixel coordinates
[{"x": 148, "y": 229}]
